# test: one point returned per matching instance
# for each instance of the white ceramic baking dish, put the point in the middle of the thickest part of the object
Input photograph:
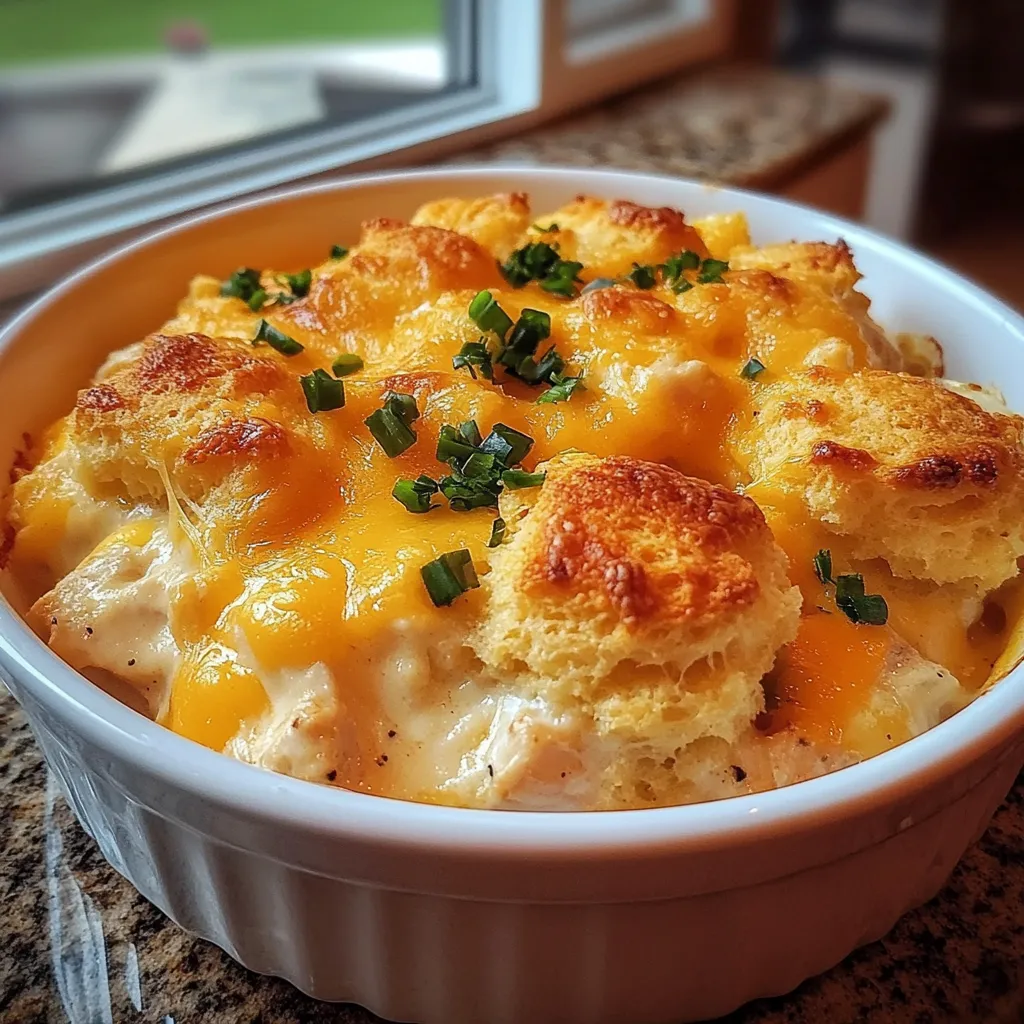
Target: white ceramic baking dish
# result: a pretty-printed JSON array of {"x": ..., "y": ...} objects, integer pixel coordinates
[{"x": 455, "y": 916}]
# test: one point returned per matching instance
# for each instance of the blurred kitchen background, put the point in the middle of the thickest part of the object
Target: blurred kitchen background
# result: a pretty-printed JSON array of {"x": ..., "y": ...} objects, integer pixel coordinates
[{"x": 116, "y": 115}]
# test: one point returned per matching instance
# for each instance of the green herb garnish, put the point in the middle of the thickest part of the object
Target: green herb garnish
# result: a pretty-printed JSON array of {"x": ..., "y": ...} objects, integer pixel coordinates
[
  {"x": 470, "y": 433},
  {"x": 242, "y": 284},
  {"x": 323, "y": 393},
  {"x": 561, "y": 389},
  {"x": 545, "y": 231},
  {"x": 530, "y": 263},
  {"x": 823, "y": 566},
  {"x": 851, "y": 600},
  {"x": 338, "y": 252},
  {"x": 391, "y": 426},
  {"x": 415, "y": 494},
  {"x": 485, "y": 312},
  {"x": 451, "y": 445},
  {"x": 672, "y": 269},
  {"x": 475, "y": 355},
  {"x": 258, "y": 298},
  {"x": 643, "y": 276},
  {"x": 517, "y": 479},
  {"x": 869, "y": 609},
  {"x": 711, "y": 271},
  {"x": 752, "y": 368},
  {"x": 509, "y": 445},
  {"x": 449, "y": 576},
  {"x": 562, "y": 278},
  {"x": 346, "y": 363},
  {"x": 277, "y": 340},
  {"x": 497, "y": 532}
]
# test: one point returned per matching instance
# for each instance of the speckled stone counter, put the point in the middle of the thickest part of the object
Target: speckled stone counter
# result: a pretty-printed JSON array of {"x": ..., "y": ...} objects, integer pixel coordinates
[{"x": 78, "y": 945}]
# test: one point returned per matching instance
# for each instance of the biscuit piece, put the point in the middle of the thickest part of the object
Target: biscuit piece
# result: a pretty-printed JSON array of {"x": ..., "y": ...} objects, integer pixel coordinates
[
  {"x": 609, "y": 237},
  {"x": 904, "y": 468},
  {"x": 652, "y": 601},
  {"x": 831, "y": 269},
  {"x": 496, "y": 222}
]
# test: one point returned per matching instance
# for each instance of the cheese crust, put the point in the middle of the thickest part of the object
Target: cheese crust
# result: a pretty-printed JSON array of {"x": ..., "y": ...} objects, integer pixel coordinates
[{"x": 648, "y": 628}]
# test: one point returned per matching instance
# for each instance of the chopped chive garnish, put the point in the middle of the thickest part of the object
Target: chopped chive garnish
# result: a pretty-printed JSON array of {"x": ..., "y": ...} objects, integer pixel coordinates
[
  {"x": 672, "y": 269},
  {"x": 242, "y": 284},
  {"x": 532, "y": 262},
  {"x": 545, "y": 230},
  {"x": 390, "y": 432},
  {"x": 478, "y": 466},
  {"x": 599, "y": 283},
  {"x": 401, "y": 405},
  {"x": 298, "y": 283},
  {"x": 642, "y": 275},
  {"x": 711, "y": 271},
  {"x": 323, "y": 393},
  {"x": 474, "y": 355},
  {"x": 485, "y": 312},
  {"x": 867, "y": 609},
  {"x": 752, "y": 368},
  {"x": 517, "y": 479},
  {"x": 510, "y": 446},
  {"x": 561, "y": 389},
  {"x": 257, "y": 299},
  {"x": 529, "y": 331},
  {"x": 470, "y": 433},
  {"x": 497, "y": 532},
  {"x": 415, "y": 494},
  {"x": 450, "y": 445},
  {"x": 562, "y": 278},
  {"x": 276, "y": 340},
  {"x": 338, "y": 252},
  {"x": 823, "y": 566},
  {"x": 468, "y": 492},
  {"x": 449, "y": 576},
  {"x": 346, "y": 363}
]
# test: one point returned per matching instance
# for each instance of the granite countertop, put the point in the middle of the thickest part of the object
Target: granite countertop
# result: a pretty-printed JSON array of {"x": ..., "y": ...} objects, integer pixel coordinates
[
  {"x": 80, "y": 945},
  {"x": 747, "y": 126}
]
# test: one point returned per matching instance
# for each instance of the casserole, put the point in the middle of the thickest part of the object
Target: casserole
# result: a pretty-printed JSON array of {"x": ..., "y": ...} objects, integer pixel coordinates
[{"x": 444, "y": 914}]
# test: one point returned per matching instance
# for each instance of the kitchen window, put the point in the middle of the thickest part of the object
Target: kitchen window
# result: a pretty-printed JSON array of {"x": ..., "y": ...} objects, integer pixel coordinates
[{"x": 115, "y": 117}]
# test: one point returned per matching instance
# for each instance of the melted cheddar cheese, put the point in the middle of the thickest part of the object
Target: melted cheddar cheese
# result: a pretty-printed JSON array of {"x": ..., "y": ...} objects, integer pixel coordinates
[{"x": 191, "y": 505}]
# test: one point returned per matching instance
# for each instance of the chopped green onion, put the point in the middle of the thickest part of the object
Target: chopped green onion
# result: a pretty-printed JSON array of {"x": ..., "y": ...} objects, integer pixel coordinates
[
  {"x": 823, "y": 566},
  {"x": 338, "y": 252},
  {"x": 561, "y": 389},
  {"x": 470, "y": 433},
  {"x": 598, "y": 283},
  {"x": 507, "y": 444},
  {"x": 517, "y": 479},
  {"x": 562, "y": 278},
  {"x": 276, "y": 340},
  {"x": 672, "y": 269},
  {"x": 497, "y": 532},
  {"x": 468, "y": 492},
  {"x": 242, "y": 284},
  {"x": 488, "y": 315},
  {"x": 475, "y": 355},
  {"x": 752, "y": 368},
  {"x": 346, "y": 363},
  {"x": 451, "y": 445},
  {"x": 323, "y": 393},
  {"x": 390, "y": 430},
  {"x": 642, "y": 275},
  {"x": 531, "y": 262},
  {"x": 449, "y": 576},
  {"x": 402, "y": 406},
  {"x": 545, "y": 231},
  {"x": 299, "y": 283},
  {"x": 711, "y": 271},
  {"x": 258, "y": 298},
  {"x": 415, "y": 494},
  {"x": 479, "y": 466},
  {"x": 867, "y": 609},
  {"x": 529, "y": 331}
]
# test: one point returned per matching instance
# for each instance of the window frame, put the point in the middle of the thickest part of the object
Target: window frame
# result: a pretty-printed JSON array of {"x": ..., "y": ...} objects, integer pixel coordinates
[{"x": 526, "y": 69}]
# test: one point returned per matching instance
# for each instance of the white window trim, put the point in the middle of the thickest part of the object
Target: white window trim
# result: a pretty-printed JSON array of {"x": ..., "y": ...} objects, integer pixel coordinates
[{"x": 529, "y": 71}]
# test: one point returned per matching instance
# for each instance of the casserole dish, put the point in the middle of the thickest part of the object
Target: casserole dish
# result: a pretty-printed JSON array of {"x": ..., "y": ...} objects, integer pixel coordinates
[{"x": 443, "y": 914}]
